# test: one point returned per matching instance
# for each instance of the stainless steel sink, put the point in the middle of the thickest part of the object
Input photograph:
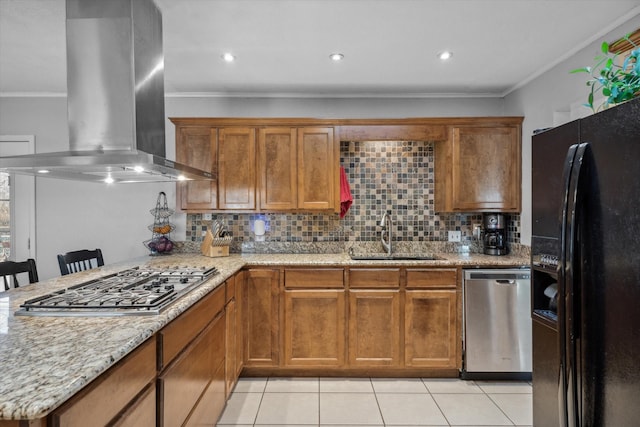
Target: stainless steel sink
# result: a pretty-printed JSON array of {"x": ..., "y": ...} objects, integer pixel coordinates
[{"x": 395, "y": 257}]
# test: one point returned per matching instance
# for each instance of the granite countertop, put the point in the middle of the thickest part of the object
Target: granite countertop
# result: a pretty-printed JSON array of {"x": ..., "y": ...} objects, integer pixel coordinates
[{"x": 46, "y": 360}]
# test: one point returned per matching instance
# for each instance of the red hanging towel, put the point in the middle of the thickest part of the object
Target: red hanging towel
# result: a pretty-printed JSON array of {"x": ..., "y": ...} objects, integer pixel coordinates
[{"x": 345, "y": 193}]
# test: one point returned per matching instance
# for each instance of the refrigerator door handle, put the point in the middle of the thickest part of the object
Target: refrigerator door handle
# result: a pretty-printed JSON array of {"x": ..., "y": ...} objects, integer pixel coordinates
[
  {"x": 562, "y": 261},
  {"x": 571, "y": 278}
]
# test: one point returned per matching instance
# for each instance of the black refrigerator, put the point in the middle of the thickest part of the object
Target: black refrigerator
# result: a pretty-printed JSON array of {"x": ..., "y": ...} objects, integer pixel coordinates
[{"x": 585, "y": 256}]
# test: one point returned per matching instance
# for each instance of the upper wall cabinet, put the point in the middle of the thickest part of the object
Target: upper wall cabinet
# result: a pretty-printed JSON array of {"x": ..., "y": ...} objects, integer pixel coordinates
[
  {"x": 297, "y": 168},
  {"x": 197, "y": 147},
  {"x": 478, "y": 169},
  {"x": 278, "y": 168},
  {"x": 237, "y": 168},
  {"x": 289, "y": 165},
  {"x": 317, "y": 169}
]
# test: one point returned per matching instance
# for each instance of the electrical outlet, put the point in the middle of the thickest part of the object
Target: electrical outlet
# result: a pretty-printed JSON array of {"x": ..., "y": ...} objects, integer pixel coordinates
[
  {"x": 455, "y": 236},
  {"x": 206, "y": 217}
]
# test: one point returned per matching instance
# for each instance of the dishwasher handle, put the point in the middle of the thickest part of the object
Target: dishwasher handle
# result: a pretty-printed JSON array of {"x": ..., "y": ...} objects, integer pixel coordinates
[{"x": 505, "y": 281}]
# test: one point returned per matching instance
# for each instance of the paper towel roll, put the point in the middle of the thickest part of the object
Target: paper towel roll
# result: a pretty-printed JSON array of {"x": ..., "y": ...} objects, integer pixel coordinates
[{"x": 258, "y": 227}]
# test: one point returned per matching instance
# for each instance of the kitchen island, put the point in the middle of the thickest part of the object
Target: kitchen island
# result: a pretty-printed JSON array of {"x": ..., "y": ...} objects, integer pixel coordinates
[{"x": 48, "y": 360}]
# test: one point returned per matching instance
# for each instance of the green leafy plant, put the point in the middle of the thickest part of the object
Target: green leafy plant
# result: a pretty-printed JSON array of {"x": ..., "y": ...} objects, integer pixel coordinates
[{"x": 618, "y": 82}]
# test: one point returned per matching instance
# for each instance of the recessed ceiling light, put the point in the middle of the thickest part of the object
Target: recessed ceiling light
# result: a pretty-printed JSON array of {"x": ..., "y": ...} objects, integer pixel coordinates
[
  {"x": 43, "y": 171},
  {"x": 444, "y": 55},
  {"x": 336, "y": 57},
  {"x": 228, "y": 57}
]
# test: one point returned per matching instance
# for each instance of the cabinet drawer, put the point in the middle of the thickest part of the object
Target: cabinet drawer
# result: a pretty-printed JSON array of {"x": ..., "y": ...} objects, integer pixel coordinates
[
  {"x": 431, "y": 278},
  {"x": 314, "y": 278},
  {"x": 374, "y": 278},
  {"x": 142, "y": 413},
  {"x": 110, "y": 393},
  {"x": 177, "y": 334},
  {"x": 182, "y": 385}
]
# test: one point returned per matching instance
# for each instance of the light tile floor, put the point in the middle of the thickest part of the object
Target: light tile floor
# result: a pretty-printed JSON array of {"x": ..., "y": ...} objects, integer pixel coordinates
[{"x": 342, "y": 402}]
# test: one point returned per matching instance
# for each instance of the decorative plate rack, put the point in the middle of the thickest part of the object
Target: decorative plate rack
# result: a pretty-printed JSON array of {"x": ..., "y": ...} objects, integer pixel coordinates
[{"x": 160, "y": 242}]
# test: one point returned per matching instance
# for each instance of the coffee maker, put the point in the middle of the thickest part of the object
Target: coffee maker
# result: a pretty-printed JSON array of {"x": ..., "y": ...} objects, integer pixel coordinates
[{"x": 495, "y": 234}]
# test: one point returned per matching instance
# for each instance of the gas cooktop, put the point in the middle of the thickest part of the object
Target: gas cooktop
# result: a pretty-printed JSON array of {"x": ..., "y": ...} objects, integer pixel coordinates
[{"x": 136, "y": 291}]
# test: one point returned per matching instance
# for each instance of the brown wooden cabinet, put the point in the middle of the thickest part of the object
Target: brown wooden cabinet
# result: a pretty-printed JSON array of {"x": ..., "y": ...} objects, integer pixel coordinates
[
  {"x": 318, "y": 164},
  {"x": 191, "y": 382},
  {"x": 197, "y": 147},
  {"x": 431, "y": 319},
  {"x": 231, "y": 336},
  {"x": 374, "y": 317},
  {"x": 314, "y": 317},
  {"x": 236, "y": 168},
  {"x": 297, "y": 168},
  {"x": 374, "y": 328},
  {"x": 188, "y": 377},
  {"x": 261, "y": 313},
  {"x": 113, "y": 392},
  {"x": 239, "y": 293},
  {"x": 314, "y": 328},
  {"x": 278, "y": 168},
  {"x": 478, "y": 169}
]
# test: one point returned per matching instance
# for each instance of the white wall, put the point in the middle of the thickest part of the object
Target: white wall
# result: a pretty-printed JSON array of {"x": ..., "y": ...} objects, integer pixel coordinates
[
  {"x": 74, "y": 215},
  {"x": 547, "y": 101}
]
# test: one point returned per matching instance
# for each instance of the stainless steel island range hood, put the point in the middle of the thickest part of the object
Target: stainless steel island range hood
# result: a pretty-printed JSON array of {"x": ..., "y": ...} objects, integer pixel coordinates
[{"x": 115, "y": 98}]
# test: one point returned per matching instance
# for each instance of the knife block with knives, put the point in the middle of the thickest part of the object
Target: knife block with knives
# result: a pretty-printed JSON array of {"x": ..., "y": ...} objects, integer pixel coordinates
[{"x": 216, "y": 243}]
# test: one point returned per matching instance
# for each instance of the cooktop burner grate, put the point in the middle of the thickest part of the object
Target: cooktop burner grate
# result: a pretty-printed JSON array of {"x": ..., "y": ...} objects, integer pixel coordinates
[{"x": 136, "y": 291}]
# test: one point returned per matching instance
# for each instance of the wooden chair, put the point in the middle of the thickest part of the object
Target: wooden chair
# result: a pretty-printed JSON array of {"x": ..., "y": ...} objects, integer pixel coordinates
[
  {"x": 11, "y": 268},
  {"x": 73, "y": 262}
]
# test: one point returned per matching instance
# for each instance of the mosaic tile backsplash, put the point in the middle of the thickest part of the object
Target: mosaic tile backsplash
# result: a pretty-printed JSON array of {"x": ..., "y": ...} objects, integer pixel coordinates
[{"x": 391, "y": 176}]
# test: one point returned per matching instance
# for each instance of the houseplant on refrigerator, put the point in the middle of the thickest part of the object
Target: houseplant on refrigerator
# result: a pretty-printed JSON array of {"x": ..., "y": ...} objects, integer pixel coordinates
[{"x": 618, "y": 80}]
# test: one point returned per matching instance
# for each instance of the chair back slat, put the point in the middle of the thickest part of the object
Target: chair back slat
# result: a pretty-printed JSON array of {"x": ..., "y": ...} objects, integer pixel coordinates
[
  {"x": 76, "y": 261},
  {"x": 9, "y": 270}
]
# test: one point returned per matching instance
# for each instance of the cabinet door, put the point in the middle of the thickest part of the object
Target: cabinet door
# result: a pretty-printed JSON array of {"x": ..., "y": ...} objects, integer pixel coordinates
[
  {"x": 486, "y": 168},
  {"x": 314, "y": 328},
  {"x": 431, "y": 325},
  {"x": 197, "y": 147},
  {"x": 317, "y": 169},
  {"x": 230, "y": 346},
  {"x": 188, "y": 377},
  {"x": 240, "y": 283},
  {"x": 237, "y": 168},
  {"x": 261, "y": 317},
  {"x": 374, "y": 328},
  {"x": 277, "y": 168}
]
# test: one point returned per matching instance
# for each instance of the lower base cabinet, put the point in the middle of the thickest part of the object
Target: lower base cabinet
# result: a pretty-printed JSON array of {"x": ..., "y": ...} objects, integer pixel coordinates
[
  {"x": 261, "y": 312},
  {"x": 114, "y": 393},
  {"x": 142, "y": 413},
  {"x": 374, "y": 328},
  {"x": 381, "y": 321},
  {"x": 314, "y": 328},
  {"x": 431, "y": 329},
  {"x": 183, "y": 383}
]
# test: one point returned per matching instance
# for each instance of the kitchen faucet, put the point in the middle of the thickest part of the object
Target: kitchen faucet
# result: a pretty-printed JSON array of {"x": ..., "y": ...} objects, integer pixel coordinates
[{"x": 386, "y": 225}]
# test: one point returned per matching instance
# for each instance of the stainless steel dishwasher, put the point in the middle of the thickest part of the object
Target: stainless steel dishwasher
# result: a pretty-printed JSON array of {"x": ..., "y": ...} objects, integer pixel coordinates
[{"x": 497, "y": 324}]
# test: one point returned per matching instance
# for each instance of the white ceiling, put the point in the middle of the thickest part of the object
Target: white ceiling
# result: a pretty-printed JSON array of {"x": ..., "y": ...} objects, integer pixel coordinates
[{"x": 283, "y": 46}]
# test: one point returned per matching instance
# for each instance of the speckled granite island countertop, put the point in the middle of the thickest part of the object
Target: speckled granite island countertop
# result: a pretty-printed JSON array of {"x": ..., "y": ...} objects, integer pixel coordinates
[{"x": 44, "y": 361}]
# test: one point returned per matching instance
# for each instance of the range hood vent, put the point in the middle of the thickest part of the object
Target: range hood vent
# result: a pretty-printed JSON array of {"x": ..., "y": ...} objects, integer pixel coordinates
[{"x": 115, "y": 99}]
